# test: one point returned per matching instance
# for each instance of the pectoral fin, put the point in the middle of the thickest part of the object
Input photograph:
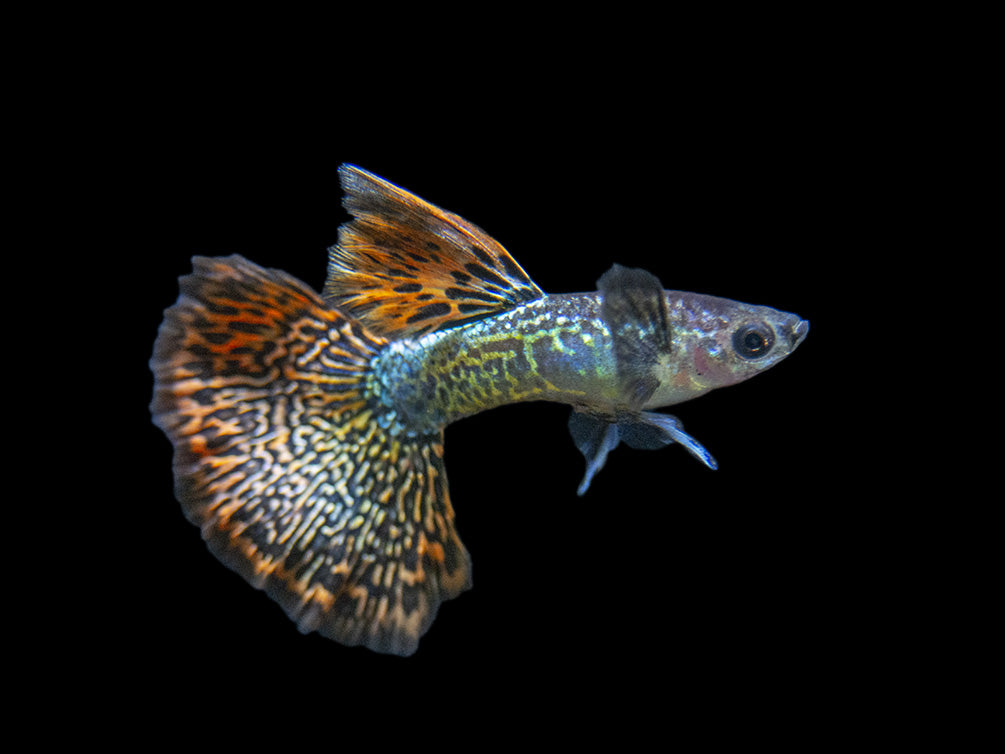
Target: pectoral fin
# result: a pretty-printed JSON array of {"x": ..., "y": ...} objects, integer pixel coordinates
[
  {"x": 635, "y": 310},
  {"x": 596, "y": 437}
]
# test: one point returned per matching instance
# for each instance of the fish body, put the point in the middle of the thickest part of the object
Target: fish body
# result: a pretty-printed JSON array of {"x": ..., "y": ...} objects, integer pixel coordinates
[
  {"x": 560, "y": 349},
  {"x": 308, "y": 429}
]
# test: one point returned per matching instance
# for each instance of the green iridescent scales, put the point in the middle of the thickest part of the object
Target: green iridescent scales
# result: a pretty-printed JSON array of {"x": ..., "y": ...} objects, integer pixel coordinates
[
  {"x": 308, "y": 430},
  {"x": 553, "y": 349}
]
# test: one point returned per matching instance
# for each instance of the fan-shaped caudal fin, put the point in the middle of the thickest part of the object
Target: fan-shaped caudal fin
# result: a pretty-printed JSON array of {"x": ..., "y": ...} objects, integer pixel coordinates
[{"x": 280, "y": 459}]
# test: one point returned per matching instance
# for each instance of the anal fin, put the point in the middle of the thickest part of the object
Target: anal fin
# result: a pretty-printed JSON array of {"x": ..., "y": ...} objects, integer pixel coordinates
[{"x": 596, "y": 437}]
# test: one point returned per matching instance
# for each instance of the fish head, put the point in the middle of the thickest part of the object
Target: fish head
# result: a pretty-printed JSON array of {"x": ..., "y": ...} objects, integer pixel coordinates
[{"x": 719, "y": 342}]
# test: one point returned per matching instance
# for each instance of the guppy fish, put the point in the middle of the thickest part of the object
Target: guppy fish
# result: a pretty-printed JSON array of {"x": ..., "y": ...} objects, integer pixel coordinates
[{"x": 308, "y": 429}]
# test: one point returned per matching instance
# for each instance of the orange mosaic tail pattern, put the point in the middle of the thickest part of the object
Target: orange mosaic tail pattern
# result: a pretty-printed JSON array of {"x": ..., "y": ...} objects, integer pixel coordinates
[{"x": 282, "y": 459}]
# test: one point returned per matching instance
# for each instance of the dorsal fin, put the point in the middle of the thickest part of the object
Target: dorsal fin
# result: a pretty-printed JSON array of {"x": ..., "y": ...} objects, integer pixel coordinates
[{"x": 404, "y": 267}]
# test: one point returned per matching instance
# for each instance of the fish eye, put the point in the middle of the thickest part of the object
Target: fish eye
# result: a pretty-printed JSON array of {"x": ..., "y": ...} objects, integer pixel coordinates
[{"x": 753, "y": 341}]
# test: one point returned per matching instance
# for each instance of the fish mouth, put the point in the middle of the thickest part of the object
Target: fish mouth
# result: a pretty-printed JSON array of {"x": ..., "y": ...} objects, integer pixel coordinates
[{"x": 797, "y": 334}]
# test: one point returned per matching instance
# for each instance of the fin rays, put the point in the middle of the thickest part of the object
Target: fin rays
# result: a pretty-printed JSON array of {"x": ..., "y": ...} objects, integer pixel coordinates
[
  {"x": 280, "y": 459},
  {"x": 596, "y": 437},
  {"x": 635, "y": 310},
  {"x": 405, "y": 267}
]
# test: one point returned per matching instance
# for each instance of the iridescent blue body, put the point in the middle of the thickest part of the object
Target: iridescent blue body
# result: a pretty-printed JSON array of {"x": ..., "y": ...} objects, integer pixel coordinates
[
  {"x": 554, "y": 349},
  {"x": 559, "y": 348}
]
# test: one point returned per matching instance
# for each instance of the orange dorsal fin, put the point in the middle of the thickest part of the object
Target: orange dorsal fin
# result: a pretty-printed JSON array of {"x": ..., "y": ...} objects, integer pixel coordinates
[{"x": 404, "y": 267}]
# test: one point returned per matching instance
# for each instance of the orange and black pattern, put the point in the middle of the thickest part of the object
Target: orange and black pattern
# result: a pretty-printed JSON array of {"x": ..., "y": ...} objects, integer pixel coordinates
[
  {"x": 404, "y": 267},
  {"x": 282, "y": 460}
]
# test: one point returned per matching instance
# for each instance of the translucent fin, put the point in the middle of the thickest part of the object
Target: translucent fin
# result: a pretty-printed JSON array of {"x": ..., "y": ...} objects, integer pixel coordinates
[
  {"x": 634, "y": 308},
  {"x": 279, "y": 458},
  {"x": 404, "y": 267},
  {"x": 596, "y": 437},
  {"x": 650, "y": 430}
]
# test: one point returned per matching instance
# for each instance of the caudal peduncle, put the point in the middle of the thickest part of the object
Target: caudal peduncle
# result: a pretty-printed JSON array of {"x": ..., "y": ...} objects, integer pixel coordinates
[{"x": 554, "y": 349}]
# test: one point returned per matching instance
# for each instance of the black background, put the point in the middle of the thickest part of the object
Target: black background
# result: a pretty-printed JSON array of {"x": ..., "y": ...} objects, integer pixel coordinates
[
  {"x": 826, "y": 581},
  {"x": 759, "y": 575}
]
